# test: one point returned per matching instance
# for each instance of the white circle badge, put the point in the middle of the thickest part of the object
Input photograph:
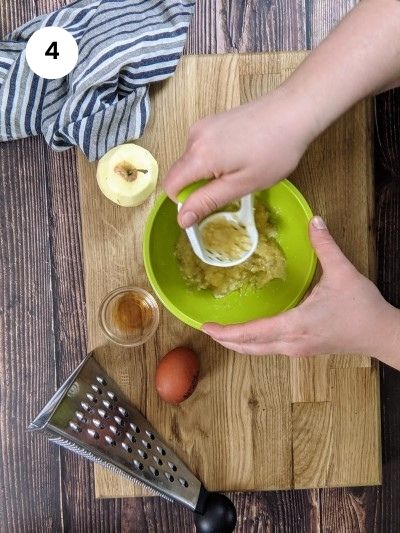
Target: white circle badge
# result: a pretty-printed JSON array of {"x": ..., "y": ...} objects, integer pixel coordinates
[{"x": 52, "y": 52}]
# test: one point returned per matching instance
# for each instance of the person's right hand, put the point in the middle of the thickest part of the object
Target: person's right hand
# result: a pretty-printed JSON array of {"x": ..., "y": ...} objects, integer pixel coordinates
[
  {"x": 345, "y": 313},
  {"x": 246, "y": 149}
]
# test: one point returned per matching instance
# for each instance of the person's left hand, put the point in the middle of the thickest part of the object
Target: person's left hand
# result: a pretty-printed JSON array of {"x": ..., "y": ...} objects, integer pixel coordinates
[{"x": 345, "y": 313}]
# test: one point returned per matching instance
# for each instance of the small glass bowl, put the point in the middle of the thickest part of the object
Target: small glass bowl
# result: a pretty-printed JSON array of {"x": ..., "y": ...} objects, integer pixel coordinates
[{"x": 129, "y": 316}]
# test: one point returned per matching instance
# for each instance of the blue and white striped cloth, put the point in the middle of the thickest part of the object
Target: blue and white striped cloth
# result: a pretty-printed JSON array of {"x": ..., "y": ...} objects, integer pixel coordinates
[{"x": 124, "y": 45}]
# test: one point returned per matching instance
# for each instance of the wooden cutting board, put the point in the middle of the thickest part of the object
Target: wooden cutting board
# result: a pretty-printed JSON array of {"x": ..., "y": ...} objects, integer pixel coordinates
[{"x": 254, "y": 423}]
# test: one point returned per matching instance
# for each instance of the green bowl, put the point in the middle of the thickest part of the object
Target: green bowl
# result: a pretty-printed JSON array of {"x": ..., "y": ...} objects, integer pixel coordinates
[{"x": 291, "y": 215}]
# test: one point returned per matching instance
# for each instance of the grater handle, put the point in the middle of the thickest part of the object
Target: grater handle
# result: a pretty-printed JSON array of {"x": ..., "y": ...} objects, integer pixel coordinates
[{"x": 215, "y": 513}]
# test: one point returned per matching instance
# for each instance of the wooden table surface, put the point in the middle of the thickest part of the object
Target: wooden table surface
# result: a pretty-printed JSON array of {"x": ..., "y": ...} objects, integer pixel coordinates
[{"x": 42, "y": 310}]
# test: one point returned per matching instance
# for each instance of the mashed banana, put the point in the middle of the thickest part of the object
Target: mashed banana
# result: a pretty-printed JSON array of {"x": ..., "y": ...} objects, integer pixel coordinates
[{"x": 267, "y": 263}]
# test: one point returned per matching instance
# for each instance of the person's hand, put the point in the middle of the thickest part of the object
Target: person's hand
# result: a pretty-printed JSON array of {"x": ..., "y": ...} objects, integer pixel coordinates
[
  {"x": 247, "y": 148},
  {"x": 345, "y": 313}
]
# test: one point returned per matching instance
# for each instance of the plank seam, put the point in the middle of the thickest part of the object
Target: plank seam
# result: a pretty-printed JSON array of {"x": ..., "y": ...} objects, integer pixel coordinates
[{"x": 53, "y": 321}]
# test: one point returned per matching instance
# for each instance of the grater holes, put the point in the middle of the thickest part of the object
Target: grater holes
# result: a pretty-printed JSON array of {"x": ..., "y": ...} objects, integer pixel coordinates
[
  {"x": 119, "y": 421},
  {"x": 103, "y": 414},
  {"x": 169, "y": 477},
  {"x": 146, "y": 444},
  {"x": 81, "y": 417},
  {"x": 138, "y": 464},
  {"x": 135, "y": 428},
  {"x": 157, "y": 460},
  {"x": 108, "y": 405},
  {"x": 91, "y": 398},
  {"x": 112, "y": 396},
  {"x": 183, "y": 482},
  {"x": 142, "y": 454},
  {"x": 126, "y": 447},
  {"x": 123, "y": 411},
  {"x": 74, "y": 426},
  {"x": 130, "y": 437},
  {"x": 98, "y": 423},
  {"x": 97, "y": 389},
  {"x": 161, "y": 450},
  {"x": 150, "y": 434},
  {"x": 172, "y": 466},
  {"x": 93, "y": 433},
  {"x": 110, "y": 440},
  {"x": 86, "y": 407},
  {"x": 154, "y": 471},
  {"x": 115, "y": 431},
  {"x": 101, "y": 380}
]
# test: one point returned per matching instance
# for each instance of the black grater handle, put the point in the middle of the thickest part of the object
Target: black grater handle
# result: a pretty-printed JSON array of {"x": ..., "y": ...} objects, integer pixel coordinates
[{"x": 215, "y": 513}]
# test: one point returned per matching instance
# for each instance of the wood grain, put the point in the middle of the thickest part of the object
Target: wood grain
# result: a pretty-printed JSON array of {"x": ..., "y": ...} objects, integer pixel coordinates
[
  {"x": 373, "y": 509},
  {"x": 13, "y": 14},
  {"x": 332, "y": 510},
  {"x": 221, "y": 26},
  {"x": 351, "y": 510},
  {"x": 310, "y": 376},
  {"x": 258, "y": 412},
  {"x": 29, "y": 470},
  {"x": 80, "y": 510},
  {"x": 369, "y": 508},
  {"x": 195, "y": 430},
  {"x": 263, "y": 512},
  {"x": 43, "y": 289},
  {"x": 65, "y": 209},
  {"x": 310, "y": 420},
  {"x": 336, "y": 459},
  {"x": 323, "y": 16},
  {"x": 356, "y": 438}
]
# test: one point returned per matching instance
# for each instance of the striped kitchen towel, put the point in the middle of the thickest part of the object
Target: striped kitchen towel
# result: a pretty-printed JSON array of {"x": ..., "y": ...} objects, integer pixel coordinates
[{"x": 124, "y": 45}]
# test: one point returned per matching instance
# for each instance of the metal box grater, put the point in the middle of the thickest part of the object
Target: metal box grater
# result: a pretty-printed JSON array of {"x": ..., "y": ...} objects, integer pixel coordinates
[{"x": 90, "y": 416}]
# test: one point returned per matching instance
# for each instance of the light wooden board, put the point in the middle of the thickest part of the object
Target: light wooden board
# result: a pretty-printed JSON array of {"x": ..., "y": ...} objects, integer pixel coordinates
[{"x": 254, "y": 423}]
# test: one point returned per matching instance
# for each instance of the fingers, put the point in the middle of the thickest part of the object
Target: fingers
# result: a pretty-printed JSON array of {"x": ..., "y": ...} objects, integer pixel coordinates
[
  {"x": 212, "y": 196},
  {"x": 328, "y": 252},
  {"x": 252, "y": 349},
  {"x": 289, "y": 334},
  {"x": 296, "y": 332},
  {"x": 256, "y": 332},
  {"x": 186, "y": 170},
  {"x": 262, "y": 331}
]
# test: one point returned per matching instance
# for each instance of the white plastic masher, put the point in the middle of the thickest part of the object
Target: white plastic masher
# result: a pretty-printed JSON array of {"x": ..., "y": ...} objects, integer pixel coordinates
[{"x": 243, "y": 218}]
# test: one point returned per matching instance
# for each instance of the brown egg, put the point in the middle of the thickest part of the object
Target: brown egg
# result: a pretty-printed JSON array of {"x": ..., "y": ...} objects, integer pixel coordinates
[{"x": 177, "y": 375}]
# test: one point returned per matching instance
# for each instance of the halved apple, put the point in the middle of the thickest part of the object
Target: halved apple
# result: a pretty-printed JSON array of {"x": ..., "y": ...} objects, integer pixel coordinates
[{"x": 127, "y": 174}]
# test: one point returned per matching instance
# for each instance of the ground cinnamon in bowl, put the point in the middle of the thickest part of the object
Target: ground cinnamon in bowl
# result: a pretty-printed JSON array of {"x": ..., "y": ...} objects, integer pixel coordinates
[{"x": 129, "y": 316}]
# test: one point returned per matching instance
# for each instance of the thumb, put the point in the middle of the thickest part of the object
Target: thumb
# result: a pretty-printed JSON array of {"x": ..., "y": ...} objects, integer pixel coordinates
[
  {"x": 215, "y": 194},
  {"x": 328, "y": 252},
  {"x": 183, "y": 172}
]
